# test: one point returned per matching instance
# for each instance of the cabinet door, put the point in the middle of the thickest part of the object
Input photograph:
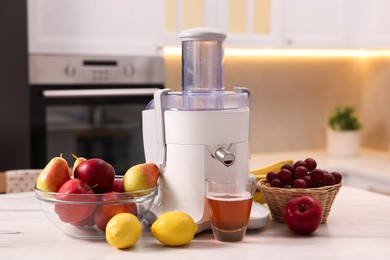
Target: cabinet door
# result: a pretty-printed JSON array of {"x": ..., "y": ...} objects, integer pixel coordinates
[
  {"x": 320, "y": 23},
  {"x": 251, "y": 23},
  {"x": 97, "y": 27},
  {"x": 374, "y": 26},
  {"x": 185, "y": 14},
  {"x": 248, "y": 23}
]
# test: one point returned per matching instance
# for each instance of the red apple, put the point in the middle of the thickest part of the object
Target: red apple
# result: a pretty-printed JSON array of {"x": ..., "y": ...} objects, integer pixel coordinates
[
  {"x": 97, "y": 173},
  {"x": 89, "y": 222},
  {"x": 117, "y": 185},
  {"x": 78, "y": 191},
  {"x": 105, "y": 212},
  {"x": 302, "y": 214}
]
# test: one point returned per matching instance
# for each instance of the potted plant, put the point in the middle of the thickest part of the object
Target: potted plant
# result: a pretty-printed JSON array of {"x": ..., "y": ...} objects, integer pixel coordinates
[{"x": 343, "y": 135}]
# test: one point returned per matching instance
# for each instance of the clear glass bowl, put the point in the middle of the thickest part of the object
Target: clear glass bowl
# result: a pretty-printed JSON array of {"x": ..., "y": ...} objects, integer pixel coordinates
[{"x": 84, "y": 216}]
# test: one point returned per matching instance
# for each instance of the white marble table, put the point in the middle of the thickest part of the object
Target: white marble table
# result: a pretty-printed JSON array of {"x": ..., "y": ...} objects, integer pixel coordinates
[{"x": 358, "y": 228}]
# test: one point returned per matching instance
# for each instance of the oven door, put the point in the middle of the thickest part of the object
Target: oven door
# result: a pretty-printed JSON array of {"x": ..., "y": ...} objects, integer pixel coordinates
[{"x": 89, "y": 121}]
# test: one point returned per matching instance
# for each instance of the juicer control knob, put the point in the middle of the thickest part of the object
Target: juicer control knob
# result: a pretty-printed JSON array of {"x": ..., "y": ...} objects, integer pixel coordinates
[{"x": 224, "y": 156}]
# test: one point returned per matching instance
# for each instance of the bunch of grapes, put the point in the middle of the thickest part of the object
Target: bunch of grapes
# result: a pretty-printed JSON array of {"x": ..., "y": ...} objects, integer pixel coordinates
[{"x": 302, "y": 174}]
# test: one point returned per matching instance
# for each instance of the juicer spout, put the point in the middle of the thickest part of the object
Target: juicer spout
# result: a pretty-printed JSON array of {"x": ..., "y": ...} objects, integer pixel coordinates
[{"x": 224, "y": 156}]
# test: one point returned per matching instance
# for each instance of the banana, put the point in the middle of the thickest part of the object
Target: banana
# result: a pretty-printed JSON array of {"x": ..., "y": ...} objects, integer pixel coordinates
[
  {"x": 276, "y": 166},
  {"x": 259, "y": 197},
  {"x": 261, "y": 173}
]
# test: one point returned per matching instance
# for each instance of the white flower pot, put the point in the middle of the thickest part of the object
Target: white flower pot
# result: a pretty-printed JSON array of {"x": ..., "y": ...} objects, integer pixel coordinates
[{"x": 343, "y": 143}]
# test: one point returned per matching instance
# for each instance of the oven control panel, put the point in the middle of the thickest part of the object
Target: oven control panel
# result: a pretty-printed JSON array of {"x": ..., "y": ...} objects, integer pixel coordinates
[{"x": 44, "y": 69}]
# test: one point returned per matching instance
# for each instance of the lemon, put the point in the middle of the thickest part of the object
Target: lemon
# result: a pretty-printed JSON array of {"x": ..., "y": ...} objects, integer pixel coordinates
[
  {"x": 174, "y": 228},
  {"x": 123, "y": 230}
]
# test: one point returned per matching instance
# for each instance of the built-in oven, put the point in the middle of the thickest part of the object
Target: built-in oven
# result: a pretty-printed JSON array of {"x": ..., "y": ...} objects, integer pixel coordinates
[{"x": 91, "y": 107}]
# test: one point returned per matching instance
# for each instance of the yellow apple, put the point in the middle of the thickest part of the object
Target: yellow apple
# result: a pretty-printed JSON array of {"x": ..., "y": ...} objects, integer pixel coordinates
[{"x": 141, "y": 177}]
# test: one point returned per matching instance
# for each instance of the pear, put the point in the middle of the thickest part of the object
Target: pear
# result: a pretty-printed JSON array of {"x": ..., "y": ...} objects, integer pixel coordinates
[
  {"x": 141, "y": 177},
  {"x": 55, "y": 173},
  {"x": 76, "y": 163}
]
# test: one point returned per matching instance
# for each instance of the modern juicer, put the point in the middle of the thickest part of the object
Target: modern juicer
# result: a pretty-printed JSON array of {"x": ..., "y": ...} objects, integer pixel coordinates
[{"x": 199, "y": 132}]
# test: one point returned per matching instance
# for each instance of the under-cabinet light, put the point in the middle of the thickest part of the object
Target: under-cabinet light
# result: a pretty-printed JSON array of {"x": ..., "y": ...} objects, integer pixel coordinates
[{"x": 293, "y": 52}]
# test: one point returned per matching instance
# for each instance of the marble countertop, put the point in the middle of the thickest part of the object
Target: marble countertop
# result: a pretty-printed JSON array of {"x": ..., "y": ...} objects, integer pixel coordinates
[{"x": 358, "y": 227}]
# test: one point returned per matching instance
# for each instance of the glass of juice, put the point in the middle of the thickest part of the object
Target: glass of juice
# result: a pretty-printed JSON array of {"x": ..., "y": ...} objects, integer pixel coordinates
[{"x": 229, "y": 203}]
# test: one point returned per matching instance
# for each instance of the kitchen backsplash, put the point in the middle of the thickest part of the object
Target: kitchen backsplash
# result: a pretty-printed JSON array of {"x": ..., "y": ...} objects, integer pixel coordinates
[{"x": 292, "y": 96}]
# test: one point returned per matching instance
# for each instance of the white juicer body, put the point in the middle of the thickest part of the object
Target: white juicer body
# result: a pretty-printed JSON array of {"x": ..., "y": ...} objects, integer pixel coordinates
[{"x": 191, "y": 138}]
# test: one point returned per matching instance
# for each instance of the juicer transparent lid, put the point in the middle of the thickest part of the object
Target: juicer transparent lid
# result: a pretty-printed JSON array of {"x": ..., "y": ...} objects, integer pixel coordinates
[{"x": 202, "y": 88}]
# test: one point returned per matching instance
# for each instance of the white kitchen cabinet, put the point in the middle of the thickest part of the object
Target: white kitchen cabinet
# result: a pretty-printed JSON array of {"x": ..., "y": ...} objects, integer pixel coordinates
[
  {"x": 248, "y": 23},
  {"x": 320, "y": 24},
  {"x": 374, "y": 24},
  {"x": 96, "y": 27}
]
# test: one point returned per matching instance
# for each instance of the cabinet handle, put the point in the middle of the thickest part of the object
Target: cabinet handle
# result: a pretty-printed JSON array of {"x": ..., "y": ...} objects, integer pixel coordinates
[{"x": 99, "y": 92}]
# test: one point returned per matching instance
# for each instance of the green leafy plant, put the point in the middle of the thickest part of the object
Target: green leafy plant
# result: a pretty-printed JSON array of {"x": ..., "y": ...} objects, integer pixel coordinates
[{"x": 344, "y": 118}]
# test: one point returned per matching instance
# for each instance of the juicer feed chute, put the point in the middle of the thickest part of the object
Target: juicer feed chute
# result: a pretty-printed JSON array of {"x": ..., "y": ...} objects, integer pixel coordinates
[{"x": 199, "y": 132}]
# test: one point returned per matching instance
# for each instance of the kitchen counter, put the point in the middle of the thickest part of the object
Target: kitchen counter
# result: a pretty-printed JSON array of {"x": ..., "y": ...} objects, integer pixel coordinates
[{"x": 358, "y": 227}]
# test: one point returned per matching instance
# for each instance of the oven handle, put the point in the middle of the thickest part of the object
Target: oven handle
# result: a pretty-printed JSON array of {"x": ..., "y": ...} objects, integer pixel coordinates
[{"x": 114, "y": 92}]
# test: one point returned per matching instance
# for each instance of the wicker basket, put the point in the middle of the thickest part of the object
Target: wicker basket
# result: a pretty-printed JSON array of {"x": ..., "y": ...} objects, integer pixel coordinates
[{"x": 277, "y": 198}]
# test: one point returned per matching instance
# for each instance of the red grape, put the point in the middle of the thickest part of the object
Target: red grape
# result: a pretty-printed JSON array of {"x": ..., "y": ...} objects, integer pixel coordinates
[
  {"x": 289, "y": 167},
  {"x": 300, "y": 172},
  {"x": 307, "y": 179},
  {"x": 299, "y": 163},
  {"x": 316, "y": 174},
  {"x": 328, "y": 179},
  {"x": 271, "y": 175},
  {"x": 299, "y": 183},
  {"x": 337, "y": 177},
  {"x": 285, "y": 175},
  {"x": 311, "y": 164},
  {"x": 317, "y": 178},
  {"x": 276, "y": 183}
]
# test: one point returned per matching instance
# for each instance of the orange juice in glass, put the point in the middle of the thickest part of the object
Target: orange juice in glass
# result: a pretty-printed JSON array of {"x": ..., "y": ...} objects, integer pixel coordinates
[{"x": 229, "y": 203}]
